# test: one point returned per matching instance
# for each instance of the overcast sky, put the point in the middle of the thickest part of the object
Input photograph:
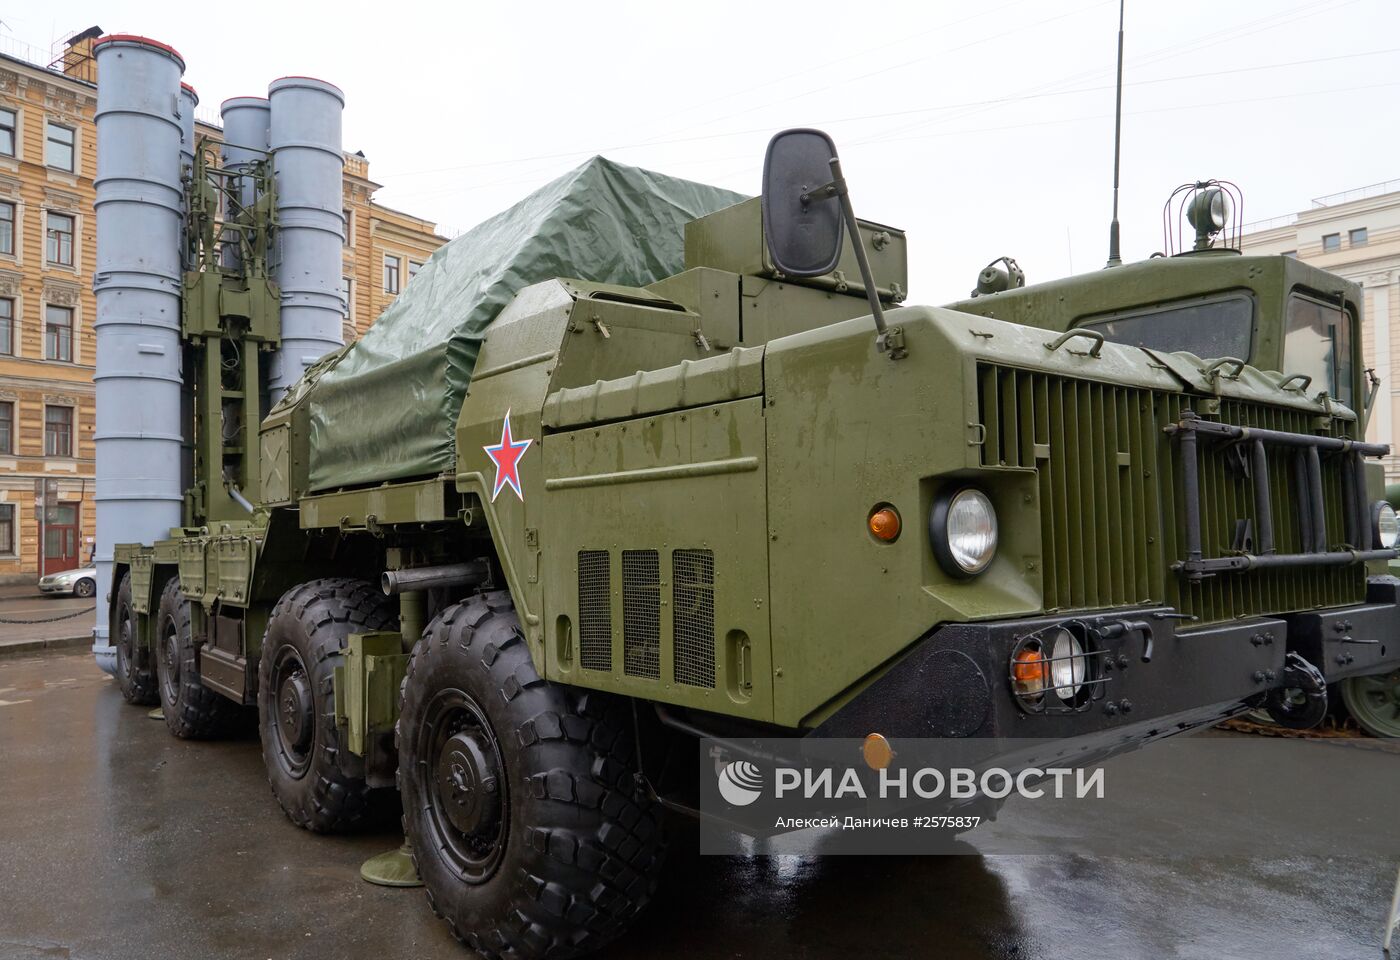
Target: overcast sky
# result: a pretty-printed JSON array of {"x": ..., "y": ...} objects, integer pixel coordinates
[{"x": 981, "y": 128}]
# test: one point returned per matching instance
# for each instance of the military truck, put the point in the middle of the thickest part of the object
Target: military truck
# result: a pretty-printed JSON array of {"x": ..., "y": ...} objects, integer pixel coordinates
[{"x": 515, "y": 551}]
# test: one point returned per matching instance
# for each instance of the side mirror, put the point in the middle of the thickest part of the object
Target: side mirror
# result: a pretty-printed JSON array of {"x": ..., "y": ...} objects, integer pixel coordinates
[{"x": 802, "y": 216}]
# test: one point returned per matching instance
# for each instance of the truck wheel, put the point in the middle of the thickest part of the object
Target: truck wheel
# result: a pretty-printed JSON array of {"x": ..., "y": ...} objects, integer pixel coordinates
[
  {"x": 319, "y": 786},
  {"x": 134, "y": 674},
  {"x": 192, "y": 711},
  {"x": 1375, "y": 702},
  {"x": 530, "y": 828}
]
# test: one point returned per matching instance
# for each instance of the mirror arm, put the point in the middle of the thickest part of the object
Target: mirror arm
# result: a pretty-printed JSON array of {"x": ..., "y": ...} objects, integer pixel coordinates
[{"x": 886, "y": 340}]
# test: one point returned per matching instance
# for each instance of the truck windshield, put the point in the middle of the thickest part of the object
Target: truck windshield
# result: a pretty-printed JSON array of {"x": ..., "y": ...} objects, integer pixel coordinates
[
  {"x": 1209, "y": 328},
  {"x": 1317, "y": 343}
]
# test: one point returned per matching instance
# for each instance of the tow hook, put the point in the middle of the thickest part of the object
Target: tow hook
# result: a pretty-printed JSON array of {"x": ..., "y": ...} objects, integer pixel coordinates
[{"x": 1299, "y": 702}]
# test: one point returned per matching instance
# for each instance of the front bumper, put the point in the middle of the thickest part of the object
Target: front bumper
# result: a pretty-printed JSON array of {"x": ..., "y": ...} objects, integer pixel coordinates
[
  {"x": 57, "y": 589},
  {"x": 1160, "y": 679},
  {"x": 956, "y": 683}
]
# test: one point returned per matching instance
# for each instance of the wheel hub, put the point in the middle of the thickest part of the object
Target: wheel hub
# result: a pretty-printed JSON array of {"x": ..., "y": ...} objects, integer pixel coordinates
[
  {"x": 170, "y": 653},
  {"x": 124, "y": 651},
  {"x": 469, "y": 783},
  {"x": 295, "y": 721}
]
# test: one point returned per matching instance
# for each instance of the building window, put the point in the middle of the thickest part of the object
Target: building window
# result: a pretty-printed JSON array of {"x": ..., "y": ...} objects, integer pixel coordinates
[
  {"x": 7, "y": 227},
  {"x": 413, "y": 267},
  {"x": 7, "y": 427},
  {"x": 7, "y": 326},
  {"x": 1331, "y": 241},
  {"x": 7, "y": 529},
  {"x": 60, "y": 239},
  {"x": 58, "y": 146},
  {"x": 349, "y": 226},
  {"x": 347, "y": 287},
  {"x": 1357, "y": 237},
  {"x": 391, "y": 274},
  {"x": 58, "y": 333},
  {"x": 9, "y": 133},
  {"x": 58, "y": 431}
]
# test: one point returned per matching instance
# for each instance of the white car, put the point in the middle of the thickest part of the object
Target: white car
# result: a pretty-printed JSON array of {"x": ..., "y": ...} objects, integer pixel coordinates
[{"x": 79, "y": 582}]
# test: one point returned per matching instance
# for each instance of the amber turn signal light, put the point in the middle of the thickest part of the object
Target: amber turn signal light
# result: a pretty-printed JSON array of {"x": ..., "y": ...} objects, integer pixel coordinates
[
  {"x": 877, "y": 751},
  {"x": 1029, "y": 667},
  {"x": 1030, "y": 672},
  {"x": 884, "y": 524}
]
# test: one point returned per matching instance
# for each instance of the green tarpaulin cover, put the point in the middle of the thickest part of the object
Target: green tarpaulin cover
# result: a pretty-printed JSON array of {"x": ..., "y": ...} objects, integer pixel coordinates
[{"x": 387, "y": 410}]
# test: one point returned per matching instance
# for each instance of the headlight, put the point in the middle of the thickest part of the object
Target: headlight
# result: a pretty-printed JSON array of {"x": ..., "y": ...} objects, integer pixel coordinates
[
  {"x": 1385, "y": 525},
  {"x": 1068, "y": 666},
  {"x": 963, "y": 532}
]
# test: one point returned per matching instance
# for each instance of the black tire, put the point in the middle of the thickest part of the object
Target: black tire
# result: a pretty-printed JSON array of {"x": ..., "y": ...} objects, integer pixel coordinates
[
  {"x": 192, "y": 711},
  {"x": 84, "y": 588},
  {"x": 530, "y": 829},
  {"x": 135, "y": 673},
  {"x": 319, "y": 786}
]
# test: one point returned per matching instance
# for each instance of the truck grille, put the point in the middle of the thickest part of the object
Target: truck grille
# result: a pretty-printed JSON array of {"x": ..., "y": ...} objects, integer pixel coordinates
[{"x": 1112, "y": 503}]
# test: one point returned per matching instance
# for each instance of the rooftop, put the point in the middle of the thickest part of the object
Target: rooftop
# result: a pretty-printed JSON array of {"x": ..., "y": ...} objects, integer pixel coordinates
[{"x": 1367, "y": 192}]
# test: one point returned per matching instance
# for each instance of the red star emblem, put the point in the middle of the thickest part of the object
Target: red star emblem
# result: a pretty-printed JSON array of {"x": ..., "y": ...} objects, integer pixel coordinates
[{"x": 506, "y": 456}]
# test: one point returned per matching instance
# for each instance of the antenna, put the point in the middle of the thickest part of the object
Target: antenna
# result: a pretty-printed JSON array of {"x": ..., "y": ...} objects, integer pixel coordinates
[{"x": 1115, "y": 257}]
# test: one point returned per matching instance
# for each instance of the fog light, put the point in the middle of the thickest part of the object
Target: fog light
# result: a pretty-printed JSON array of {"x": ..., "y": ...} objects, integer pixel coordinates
[
  {"x": 1385, "y": 525},
  {"x": 1068, "y": 666}
]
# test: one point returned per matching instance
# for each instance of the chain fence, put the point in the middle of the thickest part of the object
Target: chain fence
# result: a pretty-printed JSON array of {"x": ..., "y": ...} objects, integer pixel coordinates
[{"x": 86, "y": 611}]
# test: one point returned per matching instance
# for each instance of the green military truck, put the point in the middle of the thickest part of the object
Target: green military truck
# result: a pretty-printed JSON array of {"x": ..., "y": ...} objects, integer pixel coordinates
[{"x": 522, "y": 545}]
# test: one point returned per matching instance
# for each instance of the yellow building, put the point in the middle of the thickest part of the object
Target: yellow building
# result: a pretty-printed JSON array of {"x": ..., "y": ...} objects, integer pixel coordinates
[
  {"x": 47, "y": 248},
  {"x": 1355, "y": 234}
]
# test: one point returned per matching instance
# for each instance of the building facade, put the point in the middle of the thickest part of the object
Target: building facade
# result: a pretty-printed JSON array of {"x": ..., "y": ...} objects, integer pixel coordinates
[
  {"x": 48, "y": 159},
  {"x": 1355, "y": 235}
]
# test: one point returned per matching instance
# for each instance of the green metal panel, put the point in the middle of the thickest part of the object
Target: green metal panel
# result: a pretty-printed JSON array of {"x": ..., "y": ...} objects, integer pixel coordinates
[
  {"x": 276, "y": 445},
  {"x": 192, "y": 565},
  {"x": 235, "y": 556},
  {"x": 732, "y": 239},
  {"x": 613, "y": 332},
  {"x": 367, "y": 687},
  {"x": 513, "y": 374},
  {"x": 692, "y": 383},
  {"x": 849, "y": 430},
  {"x": 656, "y": 535},
  {"x": 142, "y": 567},
  {"x": 714, "y": 295},
  {"x": 421, "y": 501}
]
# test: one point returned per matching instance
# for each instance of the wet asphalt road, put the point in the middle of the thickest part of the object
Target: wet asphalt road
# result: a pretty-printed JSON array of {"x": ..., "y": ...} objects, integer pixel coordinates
[{"x": 118, "y": 841}]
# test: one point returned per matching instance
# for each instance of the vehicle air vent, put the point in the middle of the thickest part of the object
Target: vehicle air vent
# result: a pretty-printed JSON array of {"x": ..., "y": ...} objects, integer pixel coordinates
[
  {"x": 641, "y": 613},
  {"x": 595, "y": 609},
  {"x": 693, "y": 616}
]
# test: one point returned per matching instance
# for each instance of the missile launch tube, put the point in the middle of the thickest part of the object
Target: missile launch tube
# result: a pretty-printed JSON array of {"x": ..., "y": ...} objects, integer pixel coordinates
[
  {"x": 136, "y": 281},
  {"x": 308, "y": 167}
]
